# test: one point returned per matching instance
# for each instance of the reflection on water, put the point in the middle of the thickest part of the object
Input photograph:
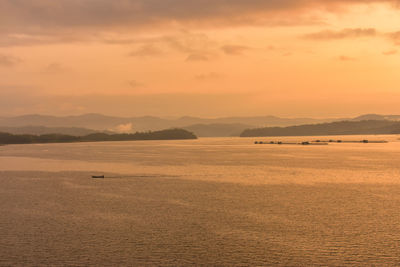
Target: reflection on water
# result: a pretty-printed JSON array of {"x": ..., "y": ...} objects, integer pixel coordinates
[
  {"x": 201, "y": 202},
  {"x": 219, "y": 159}
]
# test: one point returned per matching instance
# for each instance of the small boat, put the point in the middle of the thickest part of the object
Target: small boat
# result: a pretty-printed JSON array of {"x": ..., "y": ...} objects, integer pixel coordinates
[{"x": 98, "y": 176}]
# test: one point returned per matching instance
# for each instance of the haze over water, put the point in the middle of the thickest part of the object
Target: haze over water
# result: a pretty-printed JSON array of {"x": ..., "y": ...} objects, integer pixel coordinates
[{"x": 222, "y": 201}]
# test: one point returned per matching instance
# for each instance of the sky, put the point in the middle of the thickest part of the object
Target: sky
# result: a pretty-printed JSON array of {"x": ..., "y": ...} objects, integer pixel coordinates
[{"x": 208, "y": 58}]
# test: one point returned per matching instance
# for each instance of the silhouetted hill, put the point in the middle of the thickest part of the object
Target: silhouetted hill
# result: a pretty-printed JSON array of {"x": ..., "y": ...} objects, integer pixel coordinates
[
  {"x": 217, "y": 130},
  {"x": 334, "y": 128},
  {"x": 170, "y": 134},
  {"x": 377, "y": 117}
]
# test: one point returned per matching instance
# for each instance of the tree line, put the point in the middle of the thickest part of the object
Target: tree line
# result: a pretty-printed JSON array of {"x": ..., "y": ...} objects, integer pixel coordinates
[{"x": 170, "y": 134}]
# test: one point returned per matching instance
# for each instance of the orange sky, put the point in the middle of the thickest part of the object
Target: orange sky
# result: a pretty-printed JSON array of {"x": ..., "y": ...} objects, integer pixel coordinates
[{"x": 290, "y": 58}]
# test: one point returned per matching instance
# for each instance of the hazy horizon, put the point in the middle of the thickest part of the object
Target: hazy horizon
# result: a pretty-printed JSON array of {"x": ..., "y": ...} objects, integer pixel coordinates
[
  {"x": 164, "y": 106},
  {"x": 194, "y": 116}
]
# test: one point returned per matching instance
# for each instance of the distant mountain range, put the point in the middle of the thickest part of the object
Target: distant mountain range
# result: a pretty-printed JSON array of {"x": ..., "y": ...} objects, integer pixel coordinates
[
  {"x": 334, "y": 128},
  {"x": 103, "y": 122},
  {"x": 217, "y": 129},
  {"x": 202, "y": 127}
]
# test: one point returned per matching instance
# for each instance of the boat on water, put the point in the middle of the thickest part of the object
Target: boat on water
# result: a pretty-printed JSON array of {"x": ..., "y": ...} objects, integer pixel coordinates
[{"x": 98, "y": 177}]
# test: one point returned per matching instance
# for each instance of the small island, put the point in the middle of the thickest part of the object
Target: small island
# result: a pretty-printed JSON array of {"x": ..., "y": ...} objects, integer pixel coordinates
[
  {"x": 170, "y": 134},
  {"x": 367, "y": 127}
]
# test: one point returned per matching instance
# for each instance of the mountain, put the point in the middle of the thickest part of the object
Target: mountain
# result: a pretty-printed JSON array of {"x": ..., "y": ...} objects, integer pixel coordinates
[
  {"x": 255, "y": 121},
  {"x": 334, "y": 128},
  {"x": 377, "y": 117},
  {"x": 217, "y": 129}
]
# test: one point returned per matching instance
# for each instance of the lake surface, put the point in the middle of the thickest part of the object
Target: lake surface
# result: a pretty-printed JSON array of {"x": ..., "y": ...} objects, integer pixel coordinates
[{"x": 212, "y": 201}]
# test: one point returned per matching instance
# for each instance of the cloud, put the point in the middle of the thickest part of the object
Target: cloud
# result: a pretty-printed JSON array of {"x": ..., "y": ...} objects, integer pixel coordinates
[
  {"x": 347, "y": 58},
  {"x": 350, "y": 33},
  {"x": 135, "y": 84},
  {"x": 188, "y": 42},
  {"x": 46, "y": 22},
  {"x": 197, "y": 57},
  {"x": 234, "y": 49},
  {"x": 8, "y": 61},
  {"x": 55, "y": 68},
  {"x": 208, "y": 76},
  {"x": 28, "y": 38},
  {"x": 342, "y": 34},
  {"x": 46, "y": 16},
  {"x": 146, "y": 51},
  {"x": 389, "y": 52},
  {"x": 123, "y": 128},
  {"x": 395, "y": 37},
  {"x": 198, "y": 45}
]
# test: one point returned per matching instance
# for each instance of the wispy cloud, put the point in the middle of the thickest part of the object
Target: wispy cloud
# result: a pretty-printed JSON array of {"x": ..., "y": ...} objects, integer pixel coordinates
[
  {"x": 55, "y": 68},
  {"x": 8, "y": 61},
  {"x": 197, "y": 46},
  {"x": 353, "y": 33},
  {"x": 135, "y": 84},
  {"x": 146, "y": 50},
  {"x": 342, "y": 34},
  {"x": 346, "y": 58},
  {"x": 389, "y": 52},
  {"x": 123, "y": 128},
  {"x": 234, "y": 49},
  {"x": 198, "y": 57},
  {"x": 395, "y": 37},
  {"x": 211, "y": 76},
  {"x": 43, "y": 37}
]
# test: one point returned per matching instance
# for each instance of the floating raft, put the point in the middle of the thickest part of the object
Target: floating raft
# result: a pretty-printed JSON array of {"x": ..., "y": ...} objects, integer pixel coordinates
[
  {"x": 288, "y": 143},
  {"x": 317, "y": 142},
  {"x": 362, "y": 141}
]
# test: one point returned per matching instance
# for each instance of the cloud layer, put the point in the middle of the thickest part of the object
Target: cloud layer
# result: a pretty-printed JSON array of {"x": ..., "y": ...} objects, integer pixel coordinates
[
  {"x": 26, "y": 22},
  {"x": 342, "y": 34},
  {"x": 22, "y": 15}
]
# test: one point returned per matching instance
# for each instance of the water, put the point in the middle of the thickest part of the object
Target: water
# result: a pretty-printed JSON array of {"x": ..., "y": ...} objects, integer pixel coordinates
[{"x": 222, "y": 201}]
